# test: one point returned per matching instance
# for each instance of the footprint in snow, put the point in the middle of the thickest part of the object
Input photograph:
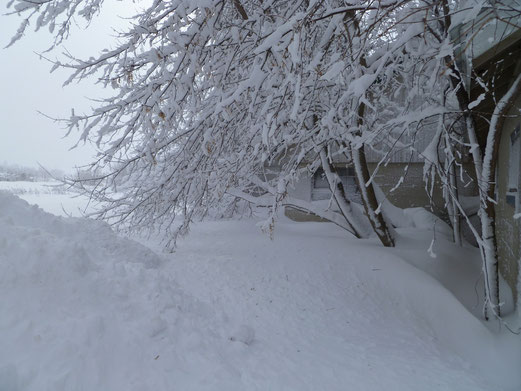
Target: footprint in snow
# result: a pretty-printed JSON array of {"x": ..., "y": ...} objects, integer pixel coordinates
[{"x": 244, "y": 334}]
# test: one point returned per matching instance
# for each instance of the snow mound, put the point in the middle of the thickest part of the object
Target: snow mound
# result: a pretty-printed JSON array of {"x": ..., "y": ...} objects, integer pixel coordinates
[
  {"x": 244, "y": 334},
  {"x": 81, "y": 307},
  {"x": 411, "y": 217},
  {"x": 423, "y": 219}
]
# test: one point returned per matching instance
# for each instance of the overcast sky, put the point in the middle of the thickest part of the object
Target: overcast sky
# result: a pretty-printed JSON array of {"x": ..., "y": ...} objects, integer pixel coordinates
[{"x": 26, "y": 87}]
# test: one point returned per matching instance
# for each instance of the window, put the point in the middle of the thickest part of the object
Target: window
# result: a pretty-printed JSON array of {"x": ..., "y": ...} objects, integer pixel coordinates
[
  {"x": 320, "y": 180},
  {"x": 512, "y": 196},
  {"x": 321, "y": 190}
]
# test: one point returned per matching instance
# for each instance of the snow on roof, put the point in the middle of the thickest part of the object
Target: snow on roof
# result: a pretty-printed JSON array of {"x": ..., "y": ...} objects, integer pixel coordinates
[{"x": 484, "y": 27}]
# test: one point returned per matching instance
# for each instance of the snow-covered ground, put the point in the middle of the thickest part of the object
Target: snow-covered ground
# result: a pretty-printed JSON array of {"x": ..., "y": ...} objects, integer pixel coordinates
[
  {"x": 85, "y": 309},
  {"x": 50, "y": 196}
]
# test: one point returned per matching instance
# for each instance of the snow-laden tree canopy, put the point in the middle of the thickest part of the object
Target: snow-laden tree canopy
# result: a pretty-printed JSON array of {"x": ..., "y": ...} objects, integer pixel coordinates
[{"x": 210, "y": 95}]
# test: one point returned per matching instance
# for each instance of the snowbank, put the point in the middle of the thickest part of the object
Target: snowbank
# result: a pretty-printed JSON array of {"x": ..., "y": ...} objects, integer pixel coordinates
[
  {"x": 84, "y": 309},
  {"x": 364, "y": 304}
]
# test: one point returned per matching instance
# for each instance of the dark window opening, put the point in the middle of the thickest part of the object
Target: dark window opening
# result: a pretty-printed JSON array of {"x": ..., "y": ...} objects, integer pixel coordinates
[{"x": 321, "y": 190}]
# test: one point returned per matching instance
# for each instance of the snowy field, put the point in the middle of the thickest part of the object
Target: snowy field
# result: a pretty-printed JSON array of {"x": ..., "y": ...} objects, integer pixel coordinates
[
  {"x": 50, "y": 196},
  {"x": 85, "y": 309}
]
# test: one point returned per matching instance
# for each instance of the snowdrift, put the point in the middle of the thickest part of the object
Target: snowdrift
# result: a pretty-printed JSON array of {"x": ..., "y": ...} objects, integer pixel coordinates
[
  {"x": 81, "y": 308},
  {"x": 84, "y": 309}
]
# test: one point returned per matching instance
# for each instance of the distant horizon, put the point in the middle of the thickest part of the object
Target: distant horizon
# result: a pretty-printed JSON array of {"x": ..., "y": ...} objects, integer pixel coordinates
[{"x": 14, "y": 165}]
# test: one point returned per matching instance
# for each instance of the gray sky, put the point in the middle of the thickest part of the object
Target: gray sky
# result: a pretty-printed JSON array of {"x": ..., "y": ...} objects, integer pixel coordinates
[{"x": 26, "y": 87}]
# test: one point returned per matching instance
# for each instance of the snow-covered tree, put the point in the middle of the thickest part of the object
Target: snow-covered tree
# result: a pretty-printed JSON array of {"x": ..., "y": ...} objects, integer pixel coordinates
[
  {"x": 457, "y": 131},
  {"x": 210, "y": 94}
]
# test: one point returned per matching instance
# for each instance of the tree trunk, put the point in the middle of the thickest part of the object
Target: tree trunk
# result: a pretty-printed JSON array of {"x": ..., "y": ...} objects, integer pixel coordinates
[
  {"x": 488, "y": 218},
  {"x": 485, "y": 173},
  {"x": 363, "y": 179},
  {"x": 371, "y": 206},
  {"x": 339, "y": 195},
  {"x": 451, "y": 192},
  {"x": 454, "y": 211},
  {"x": 487, "y": 242},
  {"x": 369, "y": 200}
]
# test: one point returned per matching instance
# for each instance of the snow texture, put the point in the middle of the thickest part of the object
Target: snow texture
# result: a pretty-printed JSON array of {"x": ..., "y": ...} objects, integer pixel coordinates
[{"x": 84, "y": 309}]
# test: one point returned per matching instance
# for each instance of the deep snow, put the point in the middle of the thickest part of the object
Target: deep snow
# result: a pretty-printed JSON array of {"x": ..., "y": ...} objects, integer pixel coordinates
[{"x": 85, "y": 309}]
